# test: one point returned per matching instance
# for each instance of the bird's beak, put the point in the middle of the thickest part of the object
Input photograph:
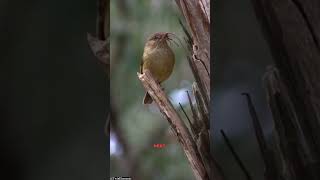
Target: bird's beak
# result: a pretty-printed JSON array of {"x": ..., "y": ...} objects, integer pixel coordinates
[{"x": 164, "y": 37}]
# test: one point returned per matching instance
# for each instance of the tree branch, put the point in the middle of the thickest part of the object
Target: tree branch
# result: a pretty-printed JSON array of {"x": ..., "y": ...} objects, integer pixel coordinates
[{"x": 176, "y": 123}]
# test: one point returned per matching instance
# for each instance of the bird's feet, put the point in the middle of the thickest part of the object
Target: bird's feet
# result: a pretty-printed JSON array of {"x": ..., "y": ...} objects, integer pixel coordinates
[{"x": 161, "y": 86}]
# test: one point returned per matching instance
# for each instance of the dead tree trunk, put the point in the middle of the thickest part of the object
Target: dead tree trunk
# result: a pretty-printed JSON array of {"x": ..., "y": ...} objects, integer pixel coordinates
[{"x": 292, "y": 29}]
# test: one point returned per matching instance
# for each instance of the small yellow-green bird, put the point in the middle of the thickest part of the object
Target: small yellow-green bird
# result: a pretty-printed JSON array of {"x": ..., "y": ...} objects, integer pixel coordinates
[{"x": 158, "y": 58}]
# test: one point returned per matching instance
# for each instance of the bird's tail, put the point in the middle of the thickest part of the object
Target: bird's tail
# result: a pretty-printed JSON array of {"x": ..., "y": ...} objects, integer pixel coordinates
[{"x": 147, "y": 99}]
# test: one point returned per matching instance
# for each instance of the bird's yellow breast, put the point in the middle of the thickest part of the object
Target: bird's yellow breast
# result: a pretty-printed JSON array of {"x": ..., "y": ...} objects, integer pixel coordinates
[{"x": 159, "y": 61}]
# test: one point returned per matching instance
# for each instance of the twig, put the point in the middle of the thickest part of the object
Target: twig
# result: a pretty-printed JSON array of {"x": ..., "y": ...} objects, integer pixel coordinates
[
  {"x": 271, "y": 172},
  {"x": 235, "y": 155},
  {"x": 202, "y": 108},
  {"x": 189, "y": 38},
  {"x": 256, "y": 123},
  {"x": 191, "y": 124},
  {"x": 196, "y": 123},
  {"x": 198, "y": 79}
]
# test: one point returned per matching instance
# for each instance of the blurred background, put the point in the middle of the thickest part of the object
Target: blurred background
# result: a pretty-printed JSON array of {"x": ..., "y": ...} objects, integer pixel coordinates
[
  {"x": 138, "y": 127},
  {"x": 53, "y": 92},
  {"x": 241, "y": 57}
]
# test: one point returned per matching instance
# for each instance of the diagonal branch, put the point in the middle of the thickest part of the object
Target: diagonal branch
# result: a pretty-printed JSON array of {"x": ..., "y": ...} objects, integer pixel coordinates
[{"x": 176, "y": 123}]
